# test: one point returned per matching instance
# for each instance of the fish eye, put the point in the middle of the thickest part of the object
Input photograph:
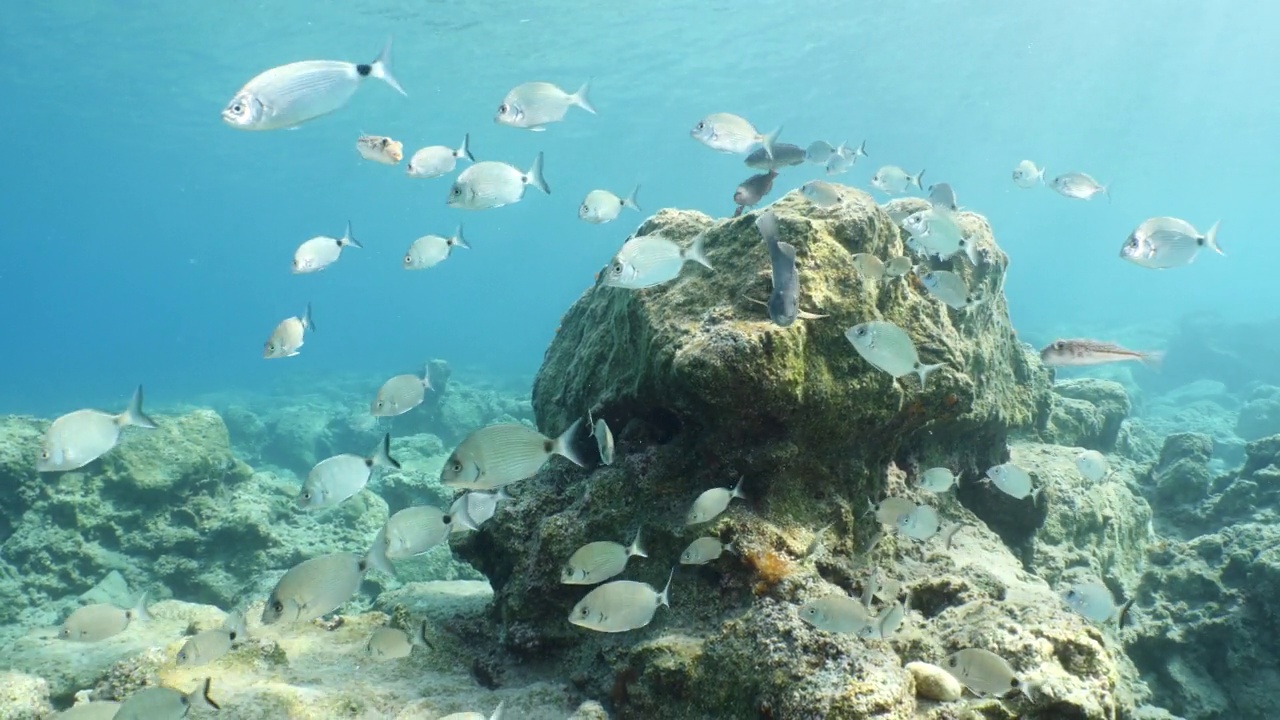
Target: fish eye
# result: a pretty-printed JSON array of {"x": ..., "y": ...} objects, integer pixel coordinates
[
  {"x": 586, "y": 611},
  {"x": 277, "y": 606},
  {"x": 951, "y": 662},
  {"x": 616, "y": 268},
  {"x": 1059, "y": 345},
  {"x": 503, "y": 109},
  {"x": 182, "y": 656},
  {"x": 456, "y": 191},
  {"x": 408, "y": 258},
  {"x": 456, "y": 466},
  {"x": 306, "y": 495},
  {"x": 44, "y": 454}
]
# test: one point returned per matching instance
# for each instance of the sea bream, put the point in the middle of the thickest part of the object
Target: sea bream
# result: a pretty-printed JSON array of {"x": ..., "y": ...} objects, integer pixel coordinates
[
  {"x": 598, "y": 561},
  {"x": 869, "y": 266},
  {"x": 1013, "y": 480},
  {"x": 315, "y": 587},
  {"x": 534, "y": 105},
  {"x": 836, "y": 614},
  {"x": 936, "y": 232},
  {"x": 322, "y": 251},
  {"x": 100, "y": 621},
  {"x": 650, "y": 260},
  {"x": 491, "y": 184},
  {"x": 497, "y": 714},
  {"x": 210, "y": 645},
  {"x": 1093, "y": 465},
  {"x": 822, "y": 193},
  {"x": 289, "y": 95},
  {"x": 1094, "y": 602},
  {"x": 501, "y": 454},
  {"x": 1161, "y": 243},
  {"x": 1079, "y": 186},
  {"x": 388, "y": 643},
  {"x": 893, "y": 180},
  {"x": 436, "y": 160},
  {"x": 844, "y": 158},
  {"x": 1027, "y": 175},
  {"x": 784, "y": 155},
  {"x": 620, "y": 605},
  {"x": 702, "y": 551},
  {"x": 711, "y": 503},
  {"x": 752, "y": 190},
  {"x": 943, "y": 197},
  {"x": 950, "y": 288},
  {"x": 729, "y": 133},
  {"x": 401, "y": 394},
  {"x": 409, "y": 532},
  {"x": 599, "y": 429},
  {"x": 334, "y": 480},
  {"x": 1081, "y": 352},
  {"x": 286, "y": 340},
  {"x": 602, "y": 206},
  {"x": 472, "y": 509},
  {"x": 784, "y": 299},
  {"x": 80, "y": 437},
  {"x": 889, "y": 348},
  {"x": 984, "y": 672},
  {"x": 936, "y": 480},
  {"x": 162, "y": 703},
  {"x": 431, "y": 250}
]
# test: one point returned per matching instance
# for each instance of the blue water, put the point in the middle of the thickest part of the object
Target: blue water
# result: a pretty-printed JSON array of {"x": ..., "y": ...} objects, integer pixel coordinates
[{"x": 143, "y": 240}]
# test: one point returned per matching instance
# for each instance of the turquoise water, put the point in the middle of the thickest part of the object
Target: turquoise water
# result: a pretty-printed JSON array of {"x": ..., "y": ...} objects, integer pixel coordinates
[{"x": 146, "y": 241}]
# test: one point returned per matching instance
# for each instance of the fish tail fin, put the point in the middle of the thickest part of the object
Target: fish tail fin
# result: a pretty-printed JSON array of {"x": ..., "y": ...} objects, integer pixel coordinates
[
  {"x": 381, "y": 69},
  {"x": 464, "y": 519},
  {"x": 861, "y": 150},
  {"x": 200, "y": 696},
  {"x": 307, "y": 322},
  {"x": 133, "y": 414},
  {"x": 382, "y": 455},
  {"x": 1211, "y": 239},
  {"x": 697, "y": 251},
  {"x": 636, "y": 548},
  {"x": 139, "y": 611},
  {"x": 234, "y": 623},
  {"x": 458, "y": 240},
  {"x": 1153, "y": 360},
  {"x": 580, "y": 98},
  {"x": 426, "y": 376},
  {"x": 915, "y": 180},
  {"x": 497, "y": 712},
  {"x": 768, "y": 140},
  {"x": 534, "y": 176},
  {"x": 631, "y": 199},
  {"x": 563, "y": 445},
  {"x": 1124, "y": 611},
  {"x": 924, "y": 371},
  {"x": 377, "y": 555},
  {"x": 970, "y": 249},
  {"x": 465, "y": 150},
  {"x": 349, "y": 239},
  {"x": 665, "y": 597},
  {"x": 1106, "y": 190},
  {"x": 736, "y": 492},
  {"x": 502, "y": 494},
  {"x": 1040, "y": 174}
]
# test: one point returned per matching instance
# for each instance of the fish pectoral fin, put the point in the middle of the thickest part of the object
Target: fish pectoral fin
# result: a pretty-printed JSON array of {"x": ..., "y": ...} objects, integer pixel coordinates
[
  {"x": 810, "y": 316},
  {"x": 758, "y": 302}
]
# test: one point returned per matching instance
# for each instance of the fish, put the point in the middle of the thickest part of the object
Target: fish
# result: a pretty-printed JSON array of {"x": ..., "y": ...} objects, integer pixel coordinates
[
  {"x": 1027, "y": 175},
  {"x": 431, "y": 250},
  {"x": 322, "y": 251},
  {"x": 534, "y": 105},
  {"x": 889, "y": 348},
  {"x": 286, "y": 340},
  {"x": 620, "y": 605},
  {"x": 1012, "y": 480},
  {"x": 598, "y": 561},
  {"x": 843, "y": 158},
  {"x": 650, "y": 260},
  {"x": 884, "y": 625},
  {"x": 315, "y": 587},
  {"x": 94, "y": 710},
  {"x": 729, "y": 133},
  {"x": 869, "y": 266},
  {"x": 335, "y": 479},
  {"x": 400, "y": 394},
  {"x": 1161, "y": 243},
  {"x": 836, "y": 613},
  {"x": 950, "y": 288},
  {"x": 936, "y": 480},
  {"x": 80, "y": 437},
  {"x": 436, "y": 160},
  {"x": 784, "y": 155},
  {"x": 100, "y": 621},
  {"x": 936, "y": 232},
  {"x": 475, "y": 508},
  {"x": 210, "y": 645},
  {"x": 893, "y": 180},
  {"x": 819, "y": 152},
  {"x": 920, "y": 524},
  {"x": 949, "y": 533},
  {"x": 897, "y": 266},
  {"x": 491, "y": 184},
  {"x": 604, "y": 438},
  {"x": 501, "y": 454},
  {"x": 497, "y": 714},
  {"x": 409, "y": 532},
  {"x": 983, "y": 672},
  {"x": 702, "y": 551},
  {"x": 822, "y": 193},
  {"x": 1093, "y": 465},
  {"x": 1079, "y": 186},
  {"x": 711, "y": 503},
  {"x": 815, "y": 544},
  {"x": 752, "y": 190},
  {"x": 289, "y": 95},
  {"x": 380, "y": 149},
  {"x": 162, "y": 703},
  {"x": 942, "y": 196},
  {"x": 387, "y": 643},
  {"x": 784, "y": 299},
  {"x": 1081, "y": 352},
  {"x": 890, "y": 509},
  {"x": 1094, "y": 602},
  {"x": 602, "y": 206}
]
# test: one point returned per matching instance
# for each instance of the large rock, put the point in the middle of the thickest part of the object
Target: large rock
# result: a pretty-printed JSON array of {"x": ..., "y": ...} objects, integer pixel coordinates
[{"x": 1087, "y": 412}]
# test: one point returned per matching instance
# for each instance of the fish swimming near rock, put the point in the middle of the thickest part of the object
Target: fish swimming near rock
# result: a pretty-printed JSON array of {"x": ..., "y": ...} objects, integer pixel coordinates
[
  {"x": 334, "y": 480},
  {"x": 400, "y": 394},
  {"x": 505, "y": 453},
  {"x": 884, "y": 625},
  {"x": 843, "y": 158},
  {"x": 1093, "y": 465},
  {"x": 389, "y": 643},
  {"x": 893, "y": 180},
  {"x": 1082, "y": 352},
  {"x": 943, "y": 197},
  {"x": 599, "y": 429},
  {"x": 937, "y": 233},
  {"x": 602, "y": 206},
  {"x": 950, "y": 288},
  {"x": 315, "y": 587},
  {"x": 80, "y": 437},
  {"x": 890, "y": 349},
  {"x": 784, "y": 299},
  {"x": 819, "y": 151},
  {"x": 100, "y": 621},
  {"x": 936, "y": 480},
  {"x": 890, "y": 509},
  {"x": 289, "y": 95},
  {"x": 286, "y": 340},
  {"x": 784, "y": 155},
  {"x": 534, "y": 105},
  {"x": 1027, "y": 175},
  {"x": 475, "y": 508},
  {"x": 490, "y": 184},
  {"x": 380, "y": 149},
  {"x": 431, "y": 250},
  {"x": 921, "y": 523},
  {"x": 210, "y": 645},
  {"x": 497, "y": 714},
  {"x": 984, "y": 672},
  {"x": 729, "y": 133},
  {"x": 620, "y": 606},
  {"x": 1161, "y": 243},
  {"x": 1079, "y": 186},
  {"x": 162, "y": 703},
  {"x": 409, "y": 532},
  {"x": 836, "y": 614},
  {"x": 436, "y": 160},
  {"x": 711, "y": 503},
  {"x": 598, "y": 561},
  {"x": 752, "y": 190},
  {"x": 869, "y": 266},
  {"x": 1094, "y": 602},
  {"x": 1012, "y": 480},
  {"x": 322, "y": 251},
  {"x": 822, "y": 193},
  {"x": 650, "y": 260},
  {"x": 896, "y": 267},
  {"x": 702, "y": 551}
]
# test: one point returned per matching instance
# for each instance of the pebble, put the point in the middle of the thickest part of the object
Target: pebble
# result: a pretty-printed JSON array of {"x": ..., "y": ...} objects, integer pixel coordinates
[{"x": 934, "y": 683}]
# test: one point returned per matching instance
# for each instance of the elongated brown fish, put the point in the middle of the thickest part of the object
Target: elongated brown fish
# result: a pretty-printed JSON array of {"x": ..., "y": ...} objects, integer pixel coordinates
[{"x": 1081, "y": 352}]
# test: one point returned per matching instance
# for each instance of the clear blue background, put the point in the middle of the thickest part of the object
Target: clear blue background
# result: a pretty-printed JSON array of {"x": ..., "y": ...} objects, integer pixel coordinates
[{"x": 142, "y": 240}]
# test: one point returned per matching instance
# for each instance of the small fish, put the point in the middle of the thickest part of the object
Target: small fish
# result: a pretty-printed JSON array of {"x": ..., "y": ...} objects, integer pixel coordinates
[
  {"x": 1079, "y": 186},
  {"x": 729, "y": 133},
  {"x": 884, "y": 625},
  {"x": 950, "y": 288},
  {"x": 702, "y": 551},
  {"x": 936, "y": 480},
  {"x": 819, "y": 152},
  {"x": 843, "y": 158},
  {"x": 505, "y": 453},
  {"x": 322, "y": 251},
  {"x": 1161, "y": 243},
  {"x": 898, "y": 266},
  {"x": 100, "y": 621},
  {"x": 598, "y": 561},
  {"x": 431, "y": 250},
  {"x": 380, "y": 149},
  {"x": 162, "y": 703},
  {"x": 984, "y": 672},
  {"x": 936, "y": 232},
  {"x": 401, "y": 394},
  {"x": 837, "y": 614},
  {"x": 1093, "y": 465},
  {"x": 604, "y": 438},
  {"x": 210, "y": 645},
  {"x": 889, "y": 348},
  {"x": 620, "y": 605},
  {"x": 289, "y": 95},
  {"x": 752, "y": 190},
  {"x": 78, "y": 438},
  {"x": 602, "y": 206},
  {"x": 822, "y": 193},
  {"x": 784, "y": 155},
  {"x": 409, "y": 532},
  {"x": 334, "y": 480},
  {"x": 815, "y": 545},
  {"x": 437, "y": 160},
  {"x": 315, "y": 587},
  {"x": 94, "y": 710},
  {"x": 920, "y": 524},
  {"x": 492, "y": 184},
  {"x": 1094, "y": 602},
  {"x": 1080, "y": 352},
  {"x": 869, "y": 266},
  {"x": 889, "y": 510},
  {"x": 893, "y": 180},
  {"x": 388, "y": 643},
  {"x": 1027, "y": 175},
  {"x": 534, "y": 105},
  {"x": 784, "y": 299},
  {"x": 941, "y": 196},
  {"x": 497, "y": 714},
  {"x": 1012, "y": 480},
  {"x": 286, "y": 339},
  {"x": 475, "y": 508},
  {"x": 949, "y": 533},
  {"x": 650, "y": 260},
  {"x": 711, "y": 503}
]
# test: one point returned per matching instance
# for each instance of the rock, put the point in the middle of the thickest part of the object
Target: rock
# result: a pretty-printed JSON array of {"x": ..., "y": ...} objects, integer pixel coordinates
[
  {"x": 23, "y": 697},
  {"x": 1088, "y": 412},
  {"x": 1260, "y": 417},
  {"x": 1181, "y": 479},
  {"x": 934, "y": 683}
]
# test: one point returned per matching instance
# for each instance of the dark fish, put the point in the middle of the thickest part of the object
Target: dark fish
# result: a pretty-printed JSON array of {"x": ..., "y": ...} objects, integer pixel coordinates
[
  {"x": 784, "y": 155},
  {"x": 752, "y": 190},
  {"x": 784, "y": 301}
]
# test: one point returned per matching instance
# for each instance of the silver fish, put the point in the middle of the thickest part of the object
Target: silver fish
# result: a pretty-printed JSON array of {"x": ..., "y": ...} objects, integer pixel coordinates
[
  {"x": 784, "y": 299},
  {"x": 650, "y": 260},
  {"x": 950, "y": 288},
  {"x": 602, "y": 206},
  {"x": 869, "y": 266},
  {"x": 400, "y": 394},
  {"x": 286, "y": 340},
  {"x": 598, "y": 561},
  {"x": 884, "y": 625},
  {"x": 1080, "y": 352},
  {"x": 822, "y": 193},
  {"x": 983, "y": 672},
  {"x": 897, "y": 266},
  {"x": 936, "y": 480},
  {"x": 162, "y": 703},
  {"x": 729, "y": 133},
  {"x": 936, "y": 232},
  {"x": 1079, "y": 186},
  {"x": 920, "y": 524},
  {"x": 837, "y": 614},
  {"x": 943, "y": 196},
  {"x": 380, "y": 149},
  {"x": 843, "y": 158},
  {"x": 819, "y": 152},
  {"x": 1027, "y": 175},
  {"x": 711, "y": 503},
  {"x": 492, "y": 184},
  {"x": 1165, "y": 242},
  {"x": 620, "y": 605},
  {"x": 289, "y": 95},
  {"x": 78, "y": 438},
  {"x": 210, "y": 645},
  {"x": 95, "y": 710},
  {"x": 334, "y": 480},
  {"x": 388, "y": 643},
  {"x": 431, "y": 250},
  {"x": 784, "y": 155},
  {"x": 497, "y": 714},
  {"x": 315, "y": 587},
  {"x": 892, "y": 180},
  {"x": 502, "y": 454},
  {"x": 889, "y": 348},
  {"x": 1092, "y": 465},
  {"x": 437, "y": 160},
  {"x": 100, "y": 621},
  {"x": 534, "y": 105},
  {"x": 322, "y": 251},
  {"x": 1012, "y": 480},
  {"x": 889, "y": 510},
  {"x": 604, "y": 438},
  {"x": 1093, "y": 601},
  {"x": 702, "y": 551},
  {"x": 752, "y": 190},
  {"x": 409, "y": 532},
  {"x": 475, "y": 508}
]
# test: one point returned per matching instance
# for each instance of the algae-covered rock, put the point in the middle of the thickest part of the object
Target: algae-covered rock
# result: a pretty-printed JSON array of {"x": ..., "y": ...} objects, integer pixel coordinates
[
  {"x": 23, "y": 697},
  {"x": 1087, "y": 412}
]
